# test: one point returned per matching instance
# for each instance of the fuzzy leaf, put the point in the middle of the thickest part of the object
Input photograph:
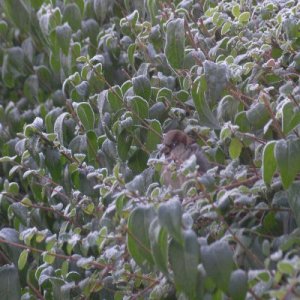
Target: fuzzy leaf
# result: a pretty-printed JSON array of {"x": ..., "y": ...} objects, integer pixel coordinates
[
  {"x": 9, "y": 283},
  {"x": 206, "y": 117},
  {"x": 175, "y": 43},
  {"x": 86, "y": 115},
  {"x": 288, "y": 160},
  {"x": 159, "y": 245},
  {"x": 218, "y": 262},
  {"x": 268, "y": 162},
  {"x": 138, "y": 241},
  {"x": 170, "y": 215},
  {"x": 184, "y": 260}
]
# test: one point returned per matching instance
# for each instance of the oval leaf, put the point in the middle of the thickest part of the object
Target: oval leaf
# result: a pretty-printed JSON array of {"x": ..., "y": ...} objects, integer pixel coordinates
[
  {"x": 206, "y": 117},
  {"x": 235, "y": 148},
  {"x": 141, "y": 86},
  {"x": 268, "y": 162},
  {"x": 238, "y": 285},
  {"x": 294, "y": 200},
  {"x": 138, "y": 241},
  {"x": 86, "y": 115},
  {"x": 288, "y": 160},
  {"x": 22, "y": 259},
  {"x": 175, "y": 43},
  {"x": 159, "y": 245},
  {"x": 9, "y": 283},
  {"x": 184, "y": 260},
  {"x": 218, "y": 263},
  {"x": 290, "y": 117},
  {"x": 59, "y": 127},
  {"x": 139, "y": 108},
  {"x": 153, "y": 135},
  {"x": 170, "y": 215}
]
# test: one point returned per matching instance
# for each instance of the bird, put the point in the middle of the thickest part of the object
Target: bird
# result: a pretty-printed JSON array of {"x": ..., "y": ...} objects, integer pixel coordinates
[{"x": 177, "y": 147}]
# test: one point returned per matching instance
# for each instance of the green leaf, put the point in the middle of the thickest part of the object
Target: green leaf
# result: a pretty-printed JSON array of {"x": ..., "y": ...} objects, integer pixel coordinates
[
  {"x": 286, "y": 267},
  {"x": 53, "y": 163},
  {"x": 226, "y": 27},
  {"x": 86, "y": 115},
  {"x": 13, "y": 170},
  {"x": 45, "y": 77},
  {"x": 268, "y": 162},
  {"x": 139, "y": 108},
  {"x": 54, "y": 19},
  {"x": 227, "y": 109},
  {"x": 7, "y": 75},
  {"x": 170, "y": 216},
  {"x": 82, "y": 59},
  {"x": 115, "y": 98},
  {"x": 138, "y": 161},
  {"x": 216, "y": 76},
  {"x": 13, "y": 188},
  {"x": 8, "y": 159},
  {"x": 236, "y": 10},
  {"x": 90, "y": 28},
  {"x": 270, "y": 224},
  {"x": 159, "y": 245},
  {"x": 238, "y": 285},
  {"x": 242, "y": 121},
  {"x": 19, "y": 13},
  {"x": 141, "y": 86},
  {"x": 218, "y": 262},
  {"x": 130, "y": 53},
  {"x": 80, "y": 92},
  {"x": 13, "y": 252},
  {"x": 26, "y": 202},
  {"x": 138, "y": 241},
  {"x": 175, "y": 43},
  {"x": 141, "y": 182},
  {"x": 59, "y": 127},
  {"x": 206, "y": 117},
  {"x": 55, "y": 61},
  {"x": 48, "y": 257},
  {"x": 153, "y": 11},
  {"x": 124, "y": 142},
  {"x": 290, "y": 27},
  {"x": 92, "y": 146},
  {"x": 158, "y": 111},
  {"x": 184, "y": 261},
  {"x": 10, "y": 288},
  {"x": 63, "y": 35},
  {"x": 244, "y": 17},
  {"x": 294, "y": 200},
  {"x": 154, "y": 135},
  {"x": 258, "y": 115},
  {"x": 101, "y": 8},
  {"x": 16, "y": 60},
  {"x": 288, "y": 160},
  {"x": 290, "y": 117},
  {"x": 3, "y": 28},
  {"x": 72, "y": 15},
  {"x": 23, "y": 259},
  {"x": 235, "y": 148}
]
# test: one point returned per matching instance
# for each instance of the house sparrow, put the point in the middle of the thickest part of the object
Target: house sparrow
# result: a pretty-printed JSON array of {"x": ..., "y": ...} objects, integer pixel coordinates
[{"x": 178, "y": 147}]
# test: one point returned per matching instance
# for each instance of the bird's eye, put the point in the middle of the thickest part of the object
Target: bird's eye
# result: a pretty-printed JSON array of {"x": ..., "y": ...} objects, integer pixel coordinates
[{"x": 174, "y": 144}]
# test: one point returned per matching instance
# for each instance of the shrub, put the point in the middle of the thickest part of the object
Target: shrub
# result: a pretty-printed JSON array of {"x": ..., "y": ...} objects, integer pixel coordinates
[{"x": 88, "y": 88}]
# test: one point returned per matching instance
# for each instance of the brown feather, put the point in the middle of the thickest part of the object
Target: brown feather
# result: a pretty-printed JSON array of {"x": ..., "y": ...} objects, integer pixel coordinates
[{"x": 178, "y": 147}]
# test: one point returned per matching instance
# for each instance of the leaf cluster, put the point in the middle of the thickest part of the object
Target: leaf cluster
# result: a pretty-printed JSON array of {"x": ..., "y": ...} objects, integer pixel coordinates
[{"x": 87, "y": 90}]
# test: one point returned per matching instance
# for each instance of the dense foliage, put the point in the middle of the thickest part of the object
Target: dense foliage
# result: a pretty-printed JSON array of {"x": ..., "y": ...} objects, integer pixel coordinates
[{"x": 88, "y": 88}]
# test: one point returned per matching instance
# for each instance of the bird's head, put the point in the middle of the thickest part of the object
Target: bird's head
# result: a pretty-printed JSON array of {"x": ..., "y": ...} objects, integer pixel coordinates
[{"x": 174, "y": 138}]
